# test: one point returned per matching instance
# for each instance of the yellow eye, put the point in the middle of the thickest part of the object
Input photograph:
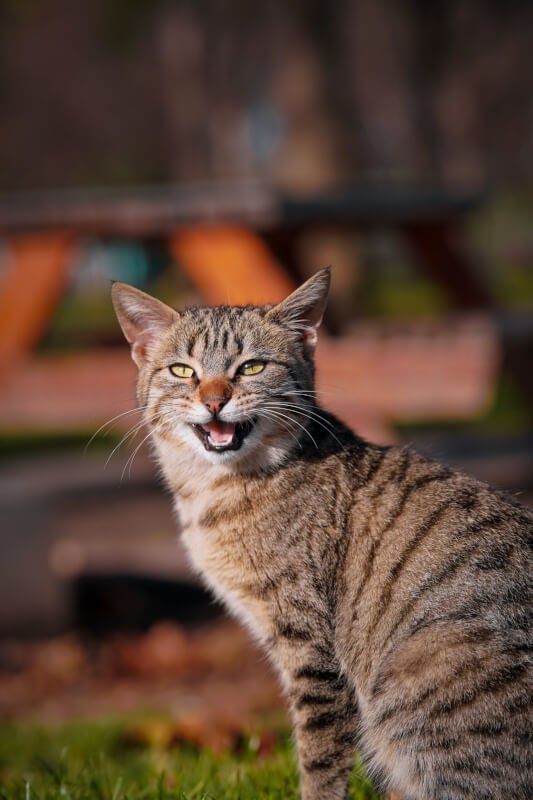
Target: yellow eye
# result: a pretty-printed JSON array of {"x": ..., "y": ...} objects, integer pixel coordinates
[
  {"x": 252, "y": 368},
  {"x": 181, "y": 371}
]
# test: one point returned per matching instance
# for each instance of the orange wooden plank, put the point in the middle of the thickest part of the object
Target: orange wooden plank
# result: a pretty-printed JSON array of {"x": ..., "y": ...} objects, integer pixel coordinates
[
  {"x": 230, "y": 265},
  {"x": 446, "y": 371},
  {"x": 33, "y": 280}
]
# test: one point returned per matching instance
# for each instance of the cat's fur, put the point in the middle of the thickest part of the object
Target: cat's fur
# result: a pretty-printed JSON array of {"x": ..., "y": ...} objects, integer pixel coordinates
[{"x": 392, "y": 593}]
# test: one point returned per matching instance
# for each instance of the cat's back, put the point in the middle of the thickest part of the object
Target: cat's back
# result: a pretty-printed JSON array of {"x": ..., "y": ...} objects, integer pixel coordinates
[{"x": 436, "y": 627}]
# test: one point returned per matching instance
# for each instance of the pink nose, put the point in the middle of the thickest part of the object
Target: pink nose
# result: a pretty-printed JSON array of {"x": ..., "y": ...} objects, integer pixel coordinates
[{"x": 215, "y": 404}]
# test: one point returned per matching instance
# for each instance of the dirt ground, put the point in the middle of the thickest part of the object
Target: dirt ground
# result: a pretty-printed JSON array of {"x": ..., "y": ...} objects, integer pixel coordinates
[{"x": 212, "y": 679}]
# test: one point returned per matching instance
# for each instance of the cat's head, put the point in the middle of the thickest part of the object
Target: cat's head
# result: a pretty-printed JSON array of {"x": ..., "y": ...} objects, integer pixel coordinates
[{"x": 234, "y": 384}]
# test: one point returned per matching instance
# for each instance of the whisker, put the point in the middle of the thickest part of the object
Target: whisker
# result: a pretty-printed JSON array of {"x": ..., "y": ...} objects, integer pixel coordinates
[
  {"x": 314, "y": 416},
  {"x": 283, "y": 404},
  {"x": 131, "y": 459},
  {"x": 109, "y": 422},
  {"x": 277, "y": 411},
  {"x": 132, "y": 432},
  {"x": 278, "y": 418},
  {"x": 310, "y": 412}
]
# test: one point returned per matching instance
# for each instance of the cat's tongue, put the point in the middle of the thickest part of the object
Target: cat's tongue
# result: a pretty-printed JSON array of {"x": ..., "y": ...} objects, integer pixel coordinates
[{"x": 220, "y": 433}]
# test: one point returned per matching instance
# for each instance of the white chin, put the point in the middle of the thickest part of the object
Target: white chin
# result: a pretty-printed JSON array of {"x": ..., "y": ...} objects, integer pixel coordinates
[{"x": 254, "y": 453}]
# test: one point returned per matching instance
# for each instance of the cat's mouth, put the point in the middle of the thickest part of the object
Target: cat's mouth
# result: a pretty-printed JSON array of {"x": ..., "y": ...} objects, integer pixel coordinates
[{"x": 221, "y": 436}]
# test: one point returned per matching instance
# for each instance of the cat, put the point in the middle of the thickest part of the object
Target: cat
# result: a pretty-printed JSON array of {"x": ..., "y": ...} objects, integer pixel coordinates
[{"x": 392, "y": 593}]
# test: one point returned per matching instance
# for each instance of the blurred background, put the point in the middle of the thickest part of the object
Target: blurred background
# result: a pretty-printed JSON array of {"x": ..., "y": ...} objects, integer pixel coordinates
[{"x": 215, "y": 152}]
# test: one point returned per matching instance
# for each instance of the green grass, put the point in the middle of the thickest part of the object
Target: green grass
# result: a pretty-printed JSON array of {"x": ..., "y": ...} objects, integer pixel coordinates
[{"x": 93, "y": 761}]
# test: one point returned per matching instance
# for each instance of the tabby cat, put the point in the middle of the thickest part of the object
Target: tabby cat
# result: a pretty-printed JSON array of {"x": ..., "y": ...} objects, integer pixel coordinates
[{"x": 392, "y": 593}]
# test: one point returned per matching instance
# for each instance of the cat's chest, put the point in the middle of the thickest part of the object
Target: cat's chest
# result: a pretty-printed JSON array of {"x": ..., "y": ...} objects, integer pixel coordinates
[{"x": 223, "y": 539}]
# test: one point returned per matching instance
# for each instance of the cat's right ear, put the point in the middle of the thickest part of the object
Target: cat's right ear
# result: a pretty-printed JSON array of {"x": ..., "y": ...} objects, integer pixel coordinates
[
  {"x": 302, "y": 311},
  {"x": 142, "y": 318}
]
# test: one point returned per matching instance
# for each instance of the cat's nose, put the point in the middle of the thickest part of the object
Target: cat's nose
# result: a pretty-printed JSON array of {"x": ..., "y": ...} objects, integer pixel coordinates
[
  {"x": 215, "y": 404},
  {"x": 214, "y": 393}
]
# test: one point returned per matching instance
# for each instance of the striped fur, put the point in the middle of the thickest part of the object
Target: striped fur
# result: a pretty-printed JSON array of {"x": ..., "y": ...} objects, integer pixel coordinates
[{"x": 393, "y": 594}]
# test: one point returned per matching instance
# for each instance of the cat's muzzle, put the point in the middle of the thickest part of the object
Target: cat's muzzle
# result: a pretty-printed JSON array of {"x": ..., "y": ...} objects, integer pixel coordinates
[{"x": 218, "y": 436}]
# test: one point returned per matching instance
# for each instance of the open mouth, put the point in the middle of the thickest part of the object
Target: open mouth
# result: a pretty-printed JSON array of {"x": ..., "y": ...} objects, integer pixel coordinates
[{"x": 221, "y": 436}]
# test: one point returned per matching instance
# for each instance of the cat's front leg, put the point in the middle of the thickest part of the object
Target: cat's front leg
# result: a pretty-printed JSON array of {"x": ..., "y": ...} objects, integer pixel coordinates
[{"x": 324, "y": 715}]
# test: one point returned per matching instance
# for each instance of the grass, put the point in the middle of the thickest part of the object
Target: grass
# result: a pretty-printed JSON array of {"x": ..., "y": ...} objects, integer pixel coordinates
[{"x": 93, "y": 761}]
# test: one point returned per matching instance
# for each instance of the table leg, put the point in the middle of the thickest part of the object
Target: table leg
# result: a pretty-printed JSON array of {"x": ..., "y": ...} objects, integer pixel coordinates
[
  {"x": 230, "y": 265},
  {"x": 31, "y": 284}
]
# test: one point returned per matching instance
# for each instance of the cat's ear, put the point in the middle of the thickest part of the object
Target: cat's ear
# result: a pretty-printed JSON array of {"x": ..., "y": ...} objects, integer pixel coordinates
[
  {"x": 302, "y": 311},
  {"x": 142, "y": 318}
]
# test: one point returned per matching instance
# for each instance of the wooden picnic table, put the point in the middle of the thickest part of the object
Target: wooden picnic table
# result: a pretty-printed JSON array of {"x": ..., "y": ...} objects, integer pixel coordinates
[{"x": 237, "y": 243}]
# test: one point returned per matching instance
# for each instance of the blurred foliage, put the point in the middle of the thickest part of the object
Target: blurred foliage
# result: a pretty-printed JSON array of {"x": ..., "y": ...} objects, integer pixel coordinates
[
  {"x": 502, "y": 237},
  {"x": 121, "y": 22},
  {"x": 83, "y": 318},
  {"x": 514, "y": 288},
  {"x": 396, "y": 292},
  {"x": 508, "y": 414},
  {"x": 27, "y": 443}
]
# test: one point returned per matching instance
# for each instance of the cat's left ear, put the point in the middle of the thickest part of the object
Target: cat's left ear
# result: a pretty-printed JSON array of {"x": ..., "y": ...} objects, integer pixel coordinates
[
  {"x": 142, "y": 318},
  {"x": 302, "y": 311}
]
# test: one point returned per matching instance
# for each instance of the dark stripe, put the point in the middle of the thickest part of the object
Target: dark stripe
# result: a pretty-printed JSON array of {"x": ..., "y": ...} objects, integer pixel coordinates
[
  {"x": 375, "y": 466},
  {"x": 467, "y": 764},
  {"x": 350, "y": 737},
  {"x": 288, "y": 631},
  {"x": 492, "y": 684},
  {"x": 224, "y": 343},
  {"x": 519, "y": 647},
  {"x": 467, "y": 498},
  {"x": 325, "y": 720},
  {"x": 190, "y": 346},
  {"x": 479, "y": 525},
  {"x": 401, "y": 707},
  {"x": 517, "y": 704},
  {"x": 444, "y": 742},
  {"x": 416, "y": 484},
  {"x": 324, "y": 650},
  {"x": 309, "y": 699},
  {"x": 443, "y": 474},
  {"x": 514, "y": 757},
  {"x": 218, "y": 514},
  {"x": 265, "y": 587},
  {"x": 421, "y": 533},
  {"x": 490, "y": 728},
  {"x": 454, "y": 784},
  {"x": 314, "y": 674},
  {"x": 304, "y": 606},
  {"x": 404, "y": 464},
  {"x": 447, "y": 572},
  {"x": 462, "y": 615},
  {"x": 146, "y": 394},
  {"x": 325, "y": 762},
  {"x": 497, "y": 558}
]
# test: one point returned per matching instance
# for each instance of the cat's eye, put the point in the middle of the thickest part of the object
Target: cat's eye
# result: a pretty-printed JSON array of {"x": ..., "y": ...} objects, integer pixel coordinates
[
  {"x": 251, "y": 368},
  {"x": 181, "y": 370}
]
